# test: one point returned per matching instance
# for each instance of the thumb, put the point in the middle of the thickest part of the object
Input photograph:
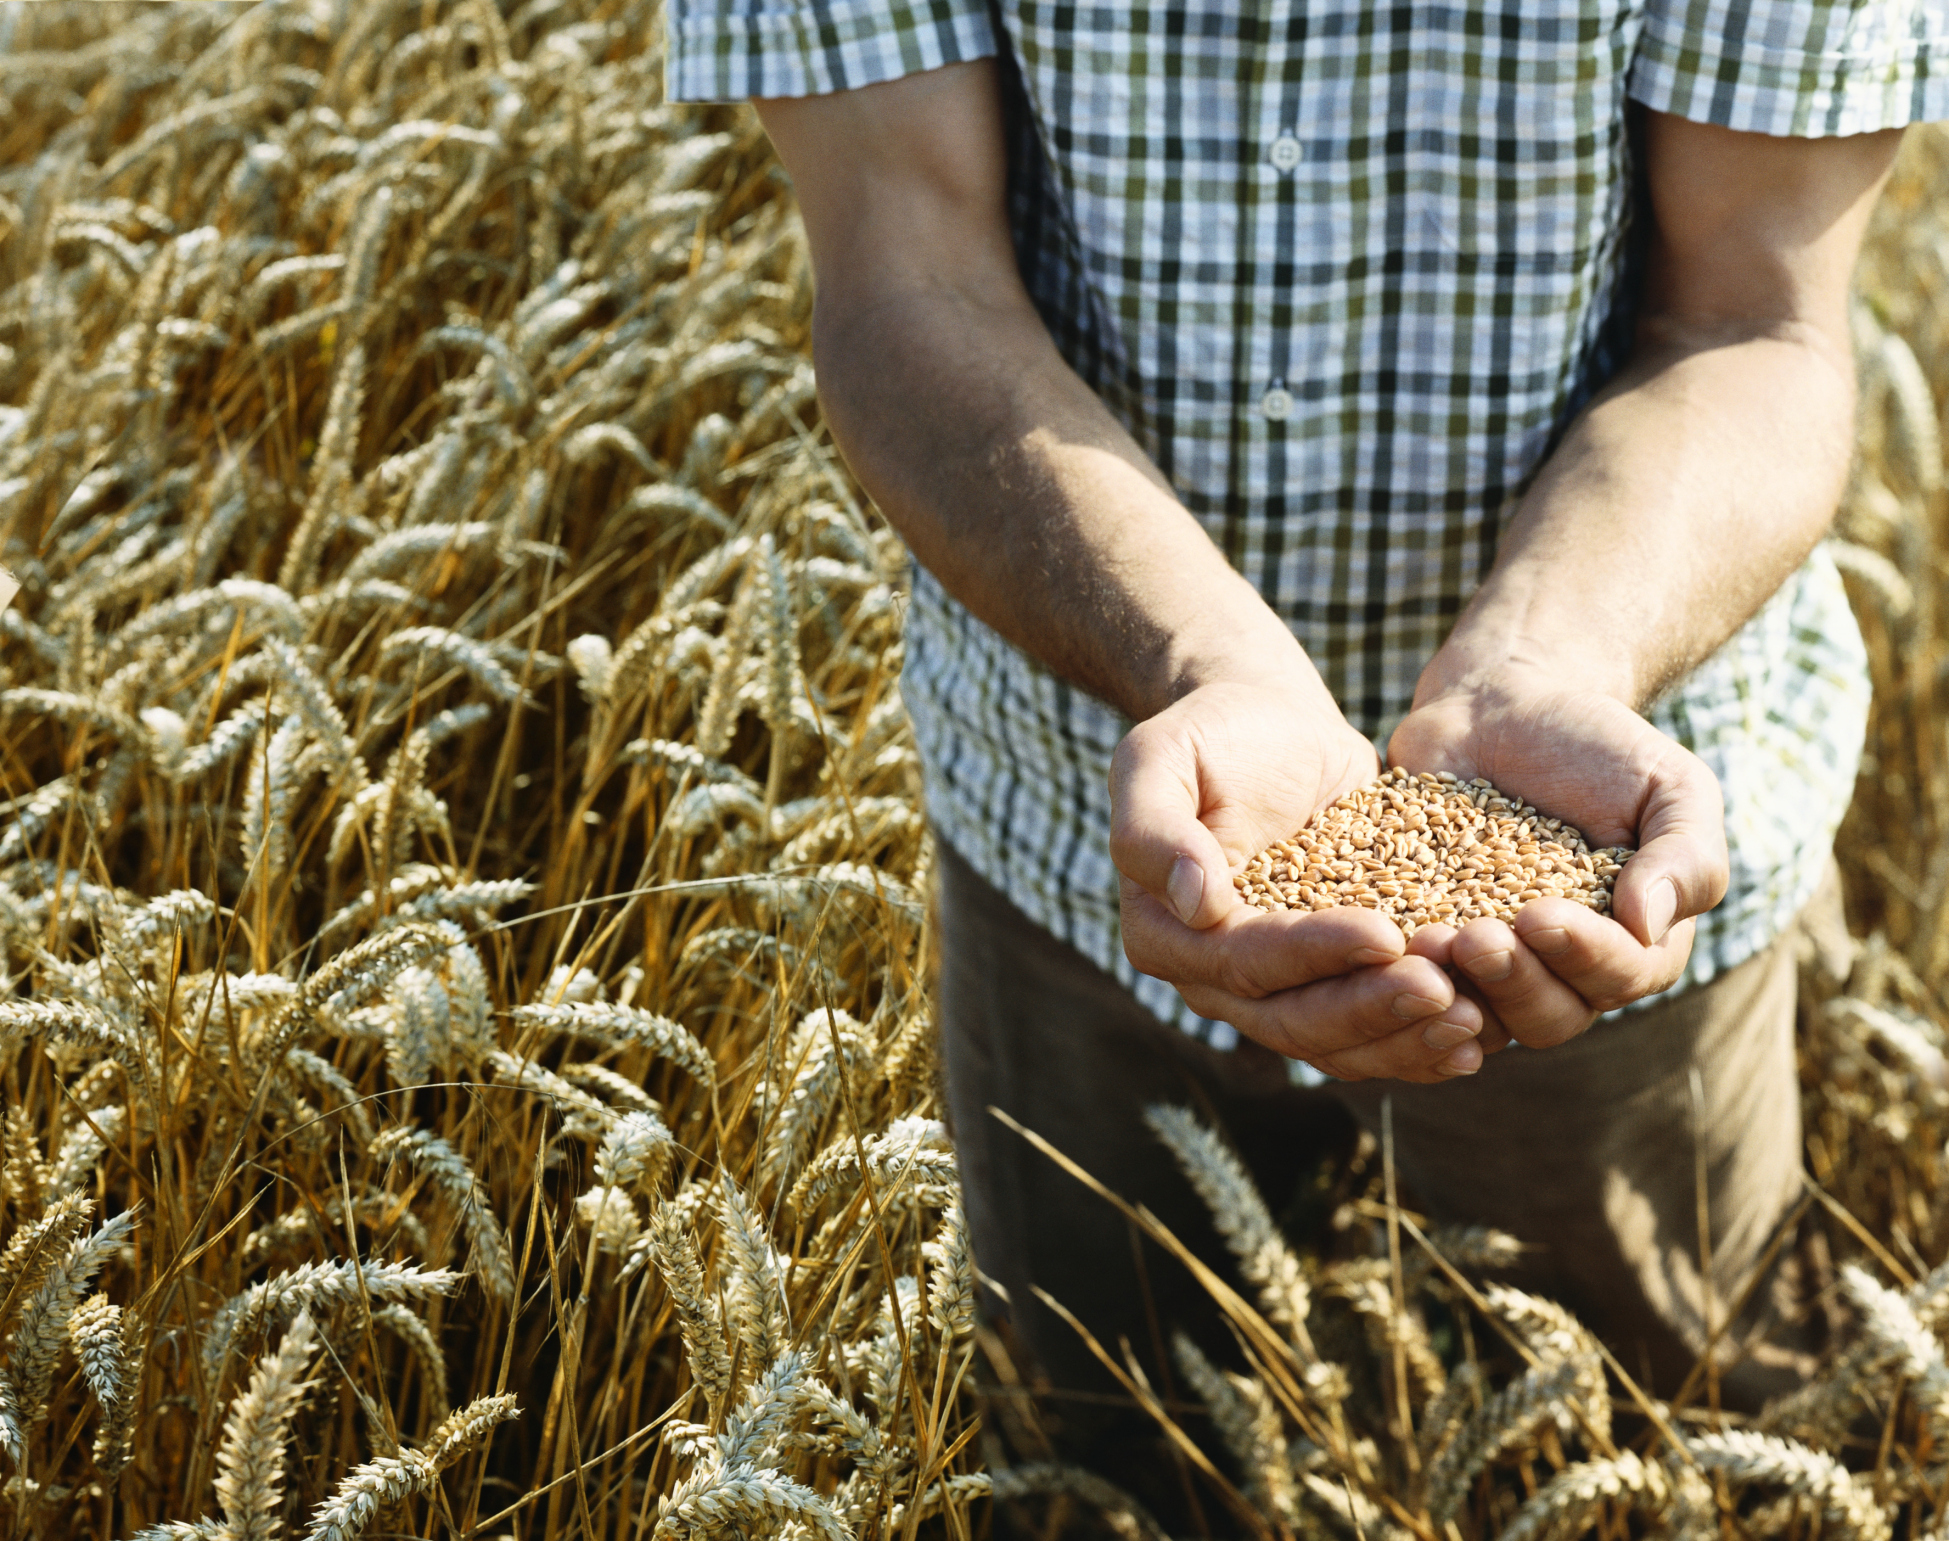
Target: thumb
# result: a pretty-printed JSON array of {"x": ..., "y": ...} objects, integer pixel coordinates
[
  {"x": 1156, "y": 837},
  {"x": 1681, "y": 868}
]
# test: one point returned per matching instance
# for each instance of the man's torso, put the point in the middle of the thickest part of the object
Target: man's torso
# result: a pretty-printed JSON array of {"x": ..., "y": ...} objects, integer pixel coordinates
[{"x": 1345, "y": 271}]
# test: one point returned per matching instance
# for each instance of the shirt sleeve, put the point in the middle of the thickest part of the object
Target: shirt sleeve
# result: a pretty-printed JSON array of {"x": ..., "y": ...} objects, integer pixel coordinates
[
  {"x": 1806, "y": 68},
  {"x": 729, "y": 50}
]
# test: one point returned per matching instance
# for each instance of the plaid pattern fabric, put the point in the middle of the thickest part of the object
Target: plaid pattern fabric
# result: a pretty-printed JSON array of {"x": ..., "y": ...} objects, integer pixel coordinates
[{"x": 1345, "y": 271}]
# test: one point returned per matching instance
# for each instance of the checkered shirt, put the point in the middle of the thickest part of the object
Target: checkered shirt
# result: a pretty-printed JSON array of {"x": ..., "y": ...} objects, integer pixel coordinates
[{"x": 1345, "y": 270}]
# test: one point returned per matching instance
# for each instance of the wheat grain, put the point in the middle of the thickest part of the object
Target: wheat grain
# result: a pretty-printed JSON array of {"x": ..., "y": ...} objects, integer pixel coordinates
[{"x": 1430, "y": 848}]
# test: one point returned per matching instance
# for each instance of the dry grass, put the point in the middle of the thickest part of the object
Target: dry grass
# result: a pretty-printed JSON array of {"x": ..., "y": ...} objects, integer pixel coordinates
[{"x": 467, "y": 1065}]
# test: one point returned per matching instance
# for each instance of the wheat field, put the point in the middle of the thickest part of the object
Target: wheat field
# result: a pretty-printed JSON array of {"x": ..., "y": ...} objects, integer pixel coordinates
[{"x": 463, "y": 929}]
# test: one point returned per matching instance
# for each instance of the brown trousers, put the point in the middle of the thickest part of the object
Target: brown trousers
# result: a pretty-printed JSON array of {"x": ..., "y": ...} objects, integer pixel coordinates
[{"x": 1591, "y": 1151}]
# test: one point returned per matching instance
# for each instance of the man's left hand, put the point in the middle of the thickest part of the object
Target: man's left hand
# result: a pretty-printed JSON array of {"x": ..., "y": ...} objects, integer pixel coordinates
[{"x": 1586, "y": 758}]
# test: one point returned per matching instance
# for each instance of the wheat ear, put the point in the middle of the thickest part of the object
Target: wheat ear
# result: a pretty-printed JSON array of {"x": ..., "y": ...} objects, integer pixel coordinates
[
  {"x": 827, "y": 1049},
  {"x": 755, "y": 1294},
  {"x": 250, "y": 1463},
  {"x": 624, "y": 1027},
  {"x": 435, "y": 1159},
  {"x": 1847, "y": 1505},
  {"x": 717, "y": 720},
  {"x": 1241, "y": 1217},
  {"x": 1564, "y": 1506},
  {"x": 667, "y": 1241},
  {"x": 635, "y": 1153},
  {"x": 33, "y": 1250},
  {"x": 746, "y": 1501},
  {"x": 43, "y": 1328},
  {"x": 1249, "y": 1423},
  {"x": 1130, "y": 1519},
  {"x": 379, "y": 1484}
]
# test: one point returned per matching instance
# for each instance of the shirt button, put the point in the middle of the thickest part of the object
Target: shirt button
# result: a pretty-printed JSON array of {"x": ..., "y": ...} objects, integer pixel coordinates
[
  {"x": 1286, "y": 153},
  {"x": 1276, "y": 404}
]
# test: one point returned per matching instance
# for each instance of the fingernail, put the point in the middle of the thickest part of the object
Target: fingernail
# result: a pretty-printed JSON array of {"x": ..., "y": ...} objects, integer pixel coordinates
[
  {"x": 1368, "y": 957},
  {"x": 1185, "y": 888},
  {"x": 1491, "y": 966},
  {"x": 1549, "y": 941},
  {"x": 1660, "y": 905},
  {"x": 1456, "y": 1064},
  {"x": 1446, "y": 1035},
  {"x": 1413, "y": 1007}
]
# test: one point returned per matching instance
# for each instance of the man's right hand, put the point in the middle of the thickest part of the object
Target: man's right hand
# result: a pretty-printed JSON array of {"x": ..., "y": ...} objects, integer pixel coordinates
[{"x": 1195, "y": 791}]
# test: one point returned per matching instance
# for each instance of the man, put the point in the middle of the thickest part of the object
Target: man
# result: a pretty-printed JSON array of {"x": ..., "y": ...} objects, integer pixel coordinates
[{"x": 1258, "y": 383}]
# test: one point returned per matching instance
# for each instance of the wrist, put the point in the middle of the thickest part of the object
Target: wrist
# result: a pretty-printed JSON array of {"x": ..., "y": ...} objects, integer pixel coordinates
[
  {"x": 1250, "y": 648},
  {"x": 1500, "y": 651}
]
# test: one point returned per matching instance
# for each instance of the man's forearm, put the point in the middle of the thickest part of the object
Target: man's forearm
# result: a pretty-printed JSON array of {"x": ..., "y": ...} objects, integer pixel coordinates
[
  {"x": 1013, "y": 484},
  {"x": 1672, "y": 510},
  {"x": 1705, "y": 473}
]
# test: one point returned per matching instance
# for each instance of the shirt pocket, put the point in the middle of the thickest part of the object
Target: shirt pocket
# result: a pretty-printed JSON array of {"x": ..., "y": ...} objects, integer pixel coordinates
[{"x": 1515, "y": 143}]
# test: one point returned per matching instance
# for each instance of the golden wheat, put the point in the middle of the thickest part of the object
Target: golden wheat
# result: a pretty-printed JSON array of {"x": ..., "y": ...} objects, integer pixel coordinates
[{"x": 457, "y": 793}]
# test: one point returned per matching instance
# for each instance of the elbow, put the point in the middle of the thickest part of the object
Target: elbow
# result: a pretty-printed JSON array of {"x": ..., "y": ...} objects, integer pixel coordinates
[{"x": 839, "y": 365}]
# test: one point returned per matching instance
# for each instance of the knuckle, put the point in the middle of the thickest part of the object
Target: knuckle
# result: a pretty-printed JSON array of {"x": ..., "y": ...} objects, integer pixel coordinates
[
  {"x": 1518, "y": 989},
  {"x": 1378, "y": 1022},
  {"x": 1148, "y": 966},
  {"x": 1132, "y": 749},
  {"x": 1527, "y": 998},
  {"x": 1147, "y": 952},
  {"x": 1609, "y": 995},
  {"x": 1126, "y": 844},
  {"x": 1235, "y": 972}
]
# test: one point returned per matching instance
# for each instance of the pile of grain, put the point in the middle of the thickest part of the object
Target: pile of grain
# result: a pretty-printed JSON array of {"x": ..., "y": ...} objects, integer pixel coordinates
[{"x": 1431, "y": 848}]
